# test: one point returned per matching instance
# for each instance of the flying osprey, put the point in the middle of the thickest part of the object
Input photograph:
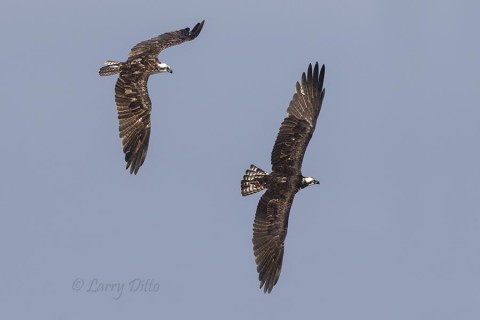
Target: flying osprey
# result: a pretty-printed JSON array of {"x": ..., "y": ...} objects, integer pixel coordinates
[
  {"x": 286, "y": 179},
  {"x": 131, "y": 94}
]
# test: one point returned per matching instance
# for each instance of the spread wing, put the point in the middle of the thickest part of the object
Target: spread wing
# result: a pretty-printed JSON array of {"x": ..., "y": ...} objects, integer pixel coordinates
[
  {"x": 155, "y": 45},
  {"x": 134, "y": 108},
  {"x": 297, "y": 128},
  {"x": 269, "y": 232}
]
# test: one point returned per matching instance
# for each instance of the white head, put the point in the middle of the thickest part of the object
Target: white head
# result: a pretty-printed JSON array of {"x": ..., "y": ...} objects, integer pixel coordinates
[
  {"x": 163, "y": 67},
  {"x": 308, "y": 181}
]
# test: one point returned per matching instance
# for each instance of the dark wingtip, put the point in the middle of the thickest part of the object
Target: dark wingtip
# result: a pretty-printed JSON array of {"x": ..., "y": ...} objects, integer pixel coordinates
[
  {"x": 267, "y": 286},
  {"x": 197, "y": 29},
  {"x": 267, "y": 289},
  {"x": 322, "y": 73},
  {"x": 133, "y": 169},
  {"x": 315, "y": 71},
  {"x": 130, "y": 163},
  {"x": 316, "y": 75}
]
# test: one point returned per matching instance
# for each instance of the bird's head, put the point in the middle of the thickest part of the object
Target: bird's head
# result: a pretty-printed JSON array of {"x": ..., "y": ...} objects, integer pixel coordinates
[
  {"x": 163, "y": 67},
  {"x": 308, "y": 181}
]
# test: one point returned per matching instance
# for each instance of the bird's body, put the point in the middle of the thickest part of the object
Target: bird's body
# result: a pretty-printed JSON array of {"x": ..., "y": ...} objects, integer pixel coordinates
[
  {"x": 131, "y": 94},
  {"x": 286, "y": 179}
]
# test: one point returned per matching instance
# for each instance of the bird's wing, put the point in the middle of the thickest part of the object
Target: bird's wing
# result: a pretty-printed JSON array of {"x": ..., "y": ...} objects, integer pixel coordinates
[
  {"x": 154, "y": 46},
  {"x": 269, "y": 232},
  {"x": 298, "y": 127},
  {"x": 134, "y": 108}
]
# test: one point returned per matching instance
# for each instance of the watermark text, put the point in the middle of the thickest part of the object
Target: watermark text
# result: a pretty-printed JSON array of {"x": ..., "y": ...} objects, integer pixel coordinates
[{"x": 115, "y": 289}]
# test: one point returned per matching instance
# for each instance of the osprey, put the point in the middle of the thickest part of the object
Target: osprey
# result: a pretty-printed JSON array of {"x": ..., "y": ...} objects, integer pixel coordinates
[
  {"x": 131, "y": 94},
  {"x": 286, "y": 179}
]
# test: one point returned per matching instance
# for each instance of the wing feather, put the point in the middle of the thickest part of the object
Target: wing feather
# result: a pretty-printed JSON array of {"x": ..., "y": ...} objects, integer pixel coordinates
[
  {"x": 298, "y": 127},
  {"x": 154, "y": 46},
  {"x": 134, "y": 108},
  {"x": 269, "y": 232}
]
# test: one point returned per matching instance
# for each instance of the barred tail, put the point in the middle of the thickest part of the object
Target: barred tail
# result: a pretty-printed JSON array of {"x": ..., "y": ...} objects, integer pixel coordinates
[
  {"x": 111, "y": 67},
  {"x": 254, "y": 180}
]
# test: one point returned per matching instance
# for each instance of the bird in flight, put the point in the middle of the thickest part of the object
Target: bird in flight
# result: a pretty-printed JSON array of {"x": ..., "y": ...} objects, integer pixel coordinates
[
  {"x": 286, "y": 179},
  {"x": 131, "y": 95}
]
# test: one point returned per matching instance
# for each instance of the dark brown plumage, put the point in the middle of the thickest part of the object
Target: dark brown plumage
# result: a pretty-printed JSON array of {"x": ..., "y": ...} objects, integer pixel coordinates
[
  {"x": 286, "y": 179},
  {"x": 131, "y": 94}
]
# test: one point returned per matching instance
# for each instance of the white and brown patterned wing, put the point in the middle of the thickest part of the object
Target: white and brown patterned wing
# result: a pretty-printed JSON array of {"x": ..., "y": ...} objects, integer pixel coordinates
[
  {"x": 298, "y": 127},
  {"x": 134, "y": 108},
  {"x": 154, "y": 46},
  {"x": 269, "y": 232}
]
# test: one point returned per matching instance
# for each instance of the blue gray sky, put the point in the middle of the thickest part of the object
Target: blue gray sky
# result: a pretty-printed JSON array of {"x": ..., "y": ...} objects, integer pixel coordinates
[{"x": 392, "y": 231}]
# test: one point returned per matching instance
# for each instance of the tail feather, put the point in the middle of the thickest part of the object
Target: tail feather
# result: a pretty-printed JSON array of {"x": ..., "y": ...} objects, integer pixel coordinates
[
  {"x": 254, "y": 180},
  {"x": 111, "y": 67}
]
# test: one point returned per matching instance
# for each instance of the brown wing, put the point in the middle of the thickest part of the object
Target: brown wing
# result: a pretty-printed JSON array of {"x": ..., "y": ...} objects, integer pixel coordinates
[
  {"x": 297, "y": 128},
  {"x": 134, "y": 108},
  {"x": 269, "y": 232},
  {"x": 155, "y": 45}
]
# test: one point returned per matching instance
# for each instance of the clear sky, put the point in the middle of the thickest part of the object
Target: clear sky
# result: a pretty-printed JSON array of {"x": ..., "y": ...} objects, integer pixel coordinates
[{"x": 392, "y": 232}]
